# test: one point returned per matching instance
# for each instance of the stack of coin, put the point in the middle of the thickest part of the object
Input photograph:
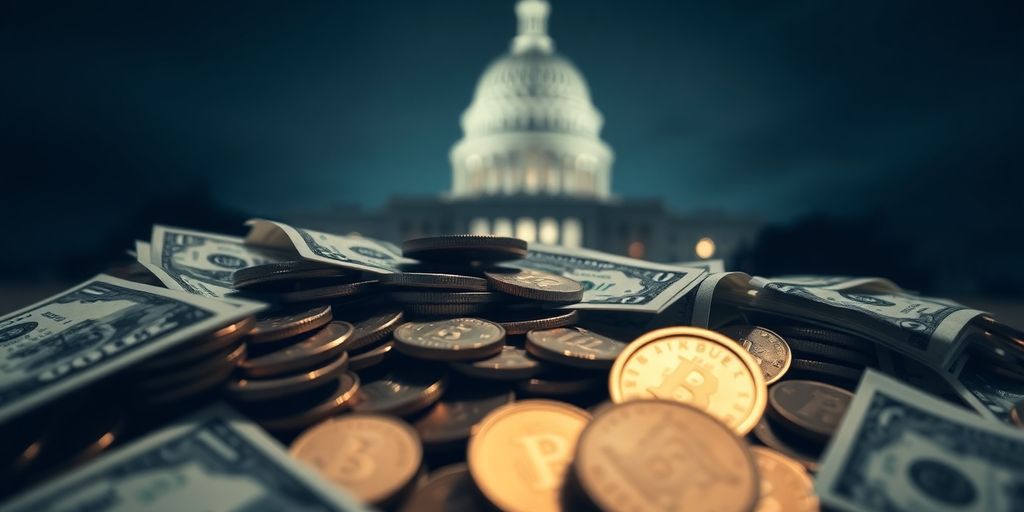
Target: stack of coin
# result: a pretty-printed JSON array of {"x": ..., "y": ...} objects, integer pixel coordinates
[{"x": 802, "y": 416}]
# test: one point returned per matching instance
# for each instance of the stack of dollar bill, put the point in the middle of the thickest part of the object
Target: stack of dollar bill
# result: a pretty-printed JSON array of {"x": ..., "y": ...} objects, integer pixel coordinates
[{"x": 301, "y": 370}]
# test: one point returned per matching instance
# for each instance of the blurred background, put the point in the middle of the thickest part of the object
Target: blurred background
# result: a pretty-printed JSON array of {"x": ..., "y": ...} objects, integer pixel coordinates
[{"x": 791, "y": 137}]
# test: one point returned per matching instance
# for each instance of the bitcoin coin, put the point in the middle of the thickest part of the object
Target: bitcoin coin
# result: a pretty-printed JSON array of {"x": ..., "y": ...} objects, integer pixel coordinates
[
  {"x": 785, "y": 485},
  {"x": 518, "y": 455},
  {"x": 806, "y": 349},
  {"x": 465, "y": 248},
  {"x": 827, "y": 336},
  {"x": 522, "y": 322},
  {"x": 844, "y": 376},
  {"x": 448, "y": 423},
  {"x": 574, "y": 346},
  {"x": 535, "y": 285},
  {"x": 278, "y": 325},
  {"x": 326, "y": 293},
  {"x": 800, "y": 450},
  {"x": 808, "y": 408},
  {"x": 694, "y": 366},
  {"x": 446, "y": 309},
  {"x": 664, "y": 455},
  {"x": 174, "y": 377},
  {"x": 444, "y": 298},
  {"x": 372, "y": 457},
  {"x": 325, "y": 344},
  {"x": 371, "y": 358},
  {"x": 435, "y": 280},
  {"x": 771, "y": 352},
  {"x": 457, "y": 339},
  {"x": 249, "y": 389},
  {"x": 221, "y": 339},
  {"x": 302, "y": 411},
  {"x": 402, "y": 390},
  {"x": 512, "y": 363},
  {"x": 370, "y": 329},
  {"x": 448, "y": 489},
  {"x": 561, "y": 383}
]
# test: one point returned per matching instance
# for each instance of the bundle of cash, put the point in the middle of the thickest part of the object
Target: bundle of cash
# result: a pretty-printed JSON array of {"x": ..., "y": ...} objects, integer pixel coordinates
[{"x": 296, "y": 369}]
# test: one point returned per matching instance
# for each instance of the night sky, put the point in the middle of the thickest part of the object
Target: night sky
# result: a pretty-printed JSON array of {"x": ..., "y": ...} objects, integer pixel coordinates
[{"x": 906, "y": 113}]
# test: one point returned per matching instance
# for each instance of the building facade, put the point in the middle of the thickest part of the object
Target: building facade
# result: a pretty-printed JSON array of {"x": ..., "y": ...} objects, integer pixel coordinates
[{"x": 532, "y": 164}]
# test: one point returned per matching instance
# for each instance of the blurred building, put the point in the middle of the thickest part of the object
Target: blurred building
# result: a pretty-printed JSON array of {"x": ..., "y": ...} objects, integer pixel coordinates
[{"x": 531, "y": 164}]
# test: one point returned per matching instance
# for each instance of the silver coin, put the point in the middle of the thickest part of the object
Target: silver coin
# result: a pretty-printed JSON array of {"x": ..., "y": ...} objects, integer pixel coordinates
[
  {"x": 573, "y": 346},
  {"x": 513, "y": 363},
  {"x": 770, "y": 350},
  {"x": 458, "y": 339}
]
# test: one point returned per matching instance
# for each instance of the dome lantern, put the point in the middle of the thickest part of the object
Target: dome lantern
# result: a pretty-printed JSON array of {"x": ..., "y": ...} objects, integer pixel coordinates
[{"x": 533, "y": 27}]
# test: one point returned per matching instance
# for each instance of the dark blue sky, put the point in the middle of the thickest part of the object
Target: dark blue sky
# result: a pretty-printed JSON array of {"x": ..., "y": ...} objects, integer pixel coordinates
[{"x": 781, "y": 108}]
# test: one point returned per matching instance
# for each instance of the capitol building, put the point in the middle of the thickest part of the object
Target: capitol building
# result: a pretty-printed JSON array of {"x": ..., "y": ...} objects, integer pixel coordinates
[{"x": 532, "y": 164}]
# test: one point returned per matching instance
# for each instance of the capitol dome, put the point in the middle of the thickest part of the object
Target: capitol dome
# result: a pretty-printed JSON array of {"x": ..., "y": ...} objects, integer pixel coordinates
[{"x": 531, "y": 127}]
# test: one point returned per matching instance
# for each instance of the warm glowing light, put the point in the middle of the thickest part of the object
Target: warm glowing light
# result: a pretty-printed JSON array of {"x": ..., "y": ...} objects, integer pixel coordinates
[
  {"x": 636, "y": 249},
  {"x": 526, "y": 229},
  {"x": 572, "y": 232},
  {"x": 705, "y": 248},
  {"x": 548, "y": 231},
  {"x": 479, "y": 226},
  {"x": 502, "y": 227}
]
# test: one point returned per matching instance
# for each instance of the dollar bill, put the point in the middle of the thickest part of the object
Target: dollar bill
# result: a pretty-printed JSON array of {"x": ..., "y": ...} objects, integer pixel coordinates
[
  {"x": 710, "y": 266},
  {"x": 992, "y": 396},
  {"x": 614, "y": 283},
  {"x": 900, "y": 449},
  {"x": 357, "y": 253},
  {"x": 95, "y": 329},
  {"x": 862, "y": 284},
  {"x": 215, "y": 460},
  {"x": 199, "y": 262},
  {"x": 924, "y": 328}
]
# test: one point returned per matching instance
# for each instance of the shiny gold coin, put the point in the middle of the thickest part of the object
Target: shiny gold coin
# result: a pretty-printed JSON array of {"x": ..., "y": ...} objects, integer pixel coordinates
[
  {"x": 519, "y": 453},
  {"x": 371, "y": 456},
  {"x": 663, "y": 455},
  {"x": 694, "y": 366},
  {"x": 785, "y": 485}
]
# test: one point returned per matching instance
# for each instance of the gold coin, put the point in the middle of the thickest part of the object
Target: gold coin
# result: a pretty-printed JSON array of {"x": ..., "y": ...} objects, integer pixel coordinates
[
  {"x": 519, "y": 453},
  {"x": 694, "y": 366},
  {"x": 785, "y": 485},
  {"x": 664, "y": 455},
  {"x": 373, "y": 457}
]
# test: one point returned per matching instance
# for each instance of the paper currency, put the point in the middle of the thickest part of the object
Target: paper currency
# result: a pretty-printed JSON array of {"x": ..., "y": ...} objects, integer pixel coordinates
[
  {"x": 710, "y": 266},
  {"x": 987, "y": 393},
  {"x": 94, "y": 329},
  {"x": 899, "y": 449},
  {"x": 215, "y": 460},
  {"x": 357, "y": 253},
  {"x": 614, "y": 282},
  {"x": 199, "y": 262}
]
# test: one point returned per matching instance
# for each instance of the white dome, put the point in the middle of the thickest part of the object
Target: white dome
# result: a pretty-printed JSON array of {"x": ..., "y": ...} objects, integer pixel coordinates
[{"x": 531, "y": 127}]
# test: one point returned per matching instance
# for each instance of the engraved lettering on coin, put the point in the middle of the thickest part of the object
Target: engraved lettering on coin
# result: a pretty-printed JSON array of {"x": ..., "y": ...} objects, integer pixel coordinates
[
  {"x": 450, "y": 340},
  {"x": 535, "y": 285},
  {"x": 771, "y": 352},
  {"x": 574, "y": 346}
]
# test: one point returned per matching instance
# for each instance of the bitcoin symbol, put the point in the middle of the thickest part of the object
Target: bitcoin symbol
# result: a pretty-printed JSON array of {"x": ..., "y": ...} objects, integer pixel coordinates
[
  {"x": 353, "y": 463},
  {"x": 549, "y": 455},
  {"x": 823, "y": 406},
  {"x": 691, "y": 379}
]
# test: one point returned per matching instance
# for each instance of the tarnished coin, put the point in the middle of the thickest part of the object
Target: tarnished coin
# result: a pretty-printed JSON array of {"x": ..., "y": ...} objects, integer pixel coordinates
[
  {"x": 811, "y": 409},
  {"x": 518, "y": 455},
  {"x": 522, "y": 322},
  {"x": 219, "y": 340},
  {"x": 769, "y": 349},
  {"x": 401, "y": 391},
  {"x": 325, "y": 344},
  {"x": 827, "y": 336},
  {"x": 327, "y": 293},
  {"x": 695, "y": 366},
  {"x": 249, "y": 389},
  {"x": 465, "y": 248},
  {"x": 785, "y": 485},
  {"x": 193, "y": 388},
  {"x": 272, "y": 273},
  {"x": 806, "y": 349},
  {"x": 182, "y": 376},
  {"x": 448, "y": 423},
  {"x": 278, "y": 325},
  {"x": 458, "y": 339},
  {"x": 372, "y": 357},
  {"x": 435, "y": 280},
  {"x": 800, "y": 450},
  {"x": 73, "y": 437},
  {"x": 373, "y": 328},
  {"x": 448, "y": 489},
  {"x": 436, "y": 297},
  {"x": 372, "y": 457},
  {"x": 446, "y": 309},
  {"x": 663, "y": 455},
  {"x": 512, "y": 363},
  {"x": 574, "y": 346},
  {"x": 535, "y": 285},
  {"x": 301, "y": 412}
]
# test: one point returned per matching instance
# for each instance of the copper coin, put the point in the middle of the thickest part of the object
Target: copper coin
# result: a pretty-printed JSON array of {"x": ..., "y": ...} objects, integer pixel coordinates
[
  {"x": 327, "y": 343},
  {"x": 327, "y": 293},
  {"x": 435, "y": 280},
  {"x": 694, "y": 366},
  {"x": 337, "y": 399},
  {"x": 512, "y": 363},
  {"x": 436, "y": 297},
  {"x": 257, "y": 275},
  {"x": 524, "y": 322},
  {"x": 450, "y": 420},
  {"x": 808, "y": 408},
  {"x": 373, "y": 328},
  {"x": 535, "y": 285},
  {"x": 465, "y": 248},
  {"x": 177, "y": 377},
  {"x": 457, "y": 339},
  {"x": 518, "y": 455},
  {"x": 221, "y": 339},
  {"x": 800, "y": 450},
  {"x": 446, "y": 309},
  {"x": 664, "y": 455},
  {"x": 448, "y": 489},
  {"x": 574, "y": 346},
  {"x": 372, "y": 357},
  {"x": 401, "y": 391},
  {"x": 561, "y": 383},
  {"x": 372, "y": 457},
  {"x": 785, "y": 484},
  {"x": 249, "y": 389},
  {"x": 210, "y": 380},
  {"x": 278, "y": 325},
  {"x": 771, "y": 352}
]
